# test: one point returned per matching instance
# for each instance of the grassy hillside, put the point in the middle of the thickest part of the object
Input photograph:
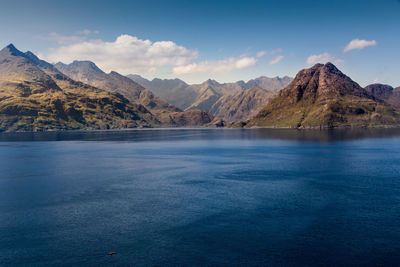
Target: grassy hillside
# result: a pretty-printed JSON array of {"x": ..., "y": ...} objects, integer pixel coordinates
[{"x": 35, "y": 96}]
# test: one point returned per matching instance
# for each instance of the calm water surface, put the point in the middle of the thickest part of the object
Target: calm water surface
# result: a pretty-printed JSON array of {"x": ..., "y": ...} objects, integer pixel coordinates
[{"x": 200, "y": 197}]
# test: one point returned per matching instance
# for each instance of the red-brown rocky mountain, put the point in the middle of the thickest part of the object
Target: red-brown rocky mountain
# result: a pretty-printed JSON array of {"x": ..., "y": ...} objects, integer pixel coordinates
[{"x": 322, "y": 96}]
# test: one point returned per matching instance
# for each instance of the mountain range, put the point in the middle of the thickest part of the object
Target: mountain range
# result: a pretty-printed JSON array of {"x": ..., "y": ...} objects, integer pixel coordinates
[
  {"x": 169, "y": 115},
  {"x": 323, "y": 97},
  {"x": 210, "y": 94},
  {"x": 38, "y": 96}
]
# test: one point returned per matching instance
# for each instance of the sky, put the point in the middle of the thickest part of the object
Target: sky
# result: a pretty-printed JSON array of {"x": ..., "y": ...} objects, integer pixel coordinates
[{"x": 222, "y": 40}]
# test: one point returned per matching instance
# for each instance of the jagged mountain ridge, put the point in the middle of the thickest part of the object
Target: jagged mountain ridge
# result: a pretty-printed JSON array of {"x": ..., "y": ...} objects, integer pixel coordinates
[
  {"x": 87, "y": 72},
  {"x": 35, "y": 96},
  {"x": 169, "y": 115},
  {"x": 210, "y": 91},
  {"x": 274, "y": 84},
  {"x": 205, "y": 95},
  {"x": 322, "y": 96}
]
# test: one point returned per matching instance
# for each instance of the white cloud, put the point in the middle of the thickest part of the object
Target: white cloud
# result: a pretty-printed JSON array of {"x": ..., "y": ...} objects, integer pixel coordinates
[
  {"x": 127, "y": 54},
  {"x": 225, "y": 65},
  {"x": 80, "y": 36},
  {"x": 323, "y": 58},
  {"x": 84, "y": 32},
  {"x": 270, "y": 52},
  {"x": 64, "y": 39},
  {"x": 359, "y": 44},
  {"x": 87, "y": 32},
  {"x": 276, "y": 60}
]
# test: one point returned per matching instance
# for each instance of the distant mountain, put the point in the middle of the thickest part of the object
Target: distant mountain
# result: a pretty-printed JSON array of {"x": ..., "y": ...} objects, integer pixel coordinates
[
  {"x": 203, "y": 96},
  {"x": 322, "y": 96},
  {"x": 140, "y": 80},
  {"x": 209, "y": 92},
  {"x": 272, "y": 84},
  {"x": 378, "y": 90},
  {"x": 242, "y": 105},
  {"x": 35, "y": 96},
  {"x": 87, "y": 72},
  {"x": 169, "y": 115},
  {"x": 385, "y": 92},
  {"x": 174, "y": 91},
  {"x": 161, "y": 87}
]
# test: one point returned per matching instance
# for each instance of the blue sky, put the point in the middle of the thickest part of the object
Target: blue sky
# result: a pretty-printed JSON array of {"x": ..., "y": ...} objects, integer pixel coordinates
[{"x": 223, "y": 40}]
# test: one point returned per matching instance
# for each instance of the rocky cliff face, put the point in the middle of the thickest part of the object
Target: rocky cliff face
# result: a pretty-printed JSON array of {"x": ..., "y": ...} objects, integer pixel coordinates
[
  {"x": 206, "y": 99},
  {"x": 35, "y": 96},
  {"x": 322, "y": 96},
  {"x": 321, "y": 82},
  {"x": 242, "y": 105}
]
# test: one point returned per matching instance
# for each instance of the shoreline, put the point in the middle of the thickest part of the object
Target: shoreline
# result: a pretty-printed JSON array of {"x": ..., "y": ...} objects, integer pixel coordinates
[{"x": 208, "y": 128}]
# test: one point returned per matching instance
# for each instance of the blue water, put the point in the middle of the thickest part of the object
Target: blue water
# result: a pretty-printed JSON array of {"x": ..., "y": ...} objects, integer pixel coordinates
[{"x": 196, "y": 197}]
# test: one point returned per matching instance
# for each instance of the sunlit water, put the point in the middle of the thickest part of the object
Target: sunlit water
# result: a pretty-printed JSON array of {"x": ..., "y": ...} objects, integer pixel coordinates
[{"x": 200, "y": 197}]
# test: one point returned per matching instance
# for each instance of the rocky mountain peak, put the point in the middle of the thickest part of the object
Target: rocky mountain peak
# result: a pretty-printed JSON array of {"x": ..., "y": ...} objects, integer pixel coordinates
[
  {"x": 321, "y": 81},
  {"x": 117, "y": 74},
  {"x": 37, "y": 61},
  {"x": 12, "y": 54},
  {"x": 322, "y": 96},
  {"x": 86, "y": 64},
  {"x": 212, "y": 82},
  {"x": 11, "y": 47},
  {"x": 330, "y": 67},
  {"x": 10, "y": 50}
]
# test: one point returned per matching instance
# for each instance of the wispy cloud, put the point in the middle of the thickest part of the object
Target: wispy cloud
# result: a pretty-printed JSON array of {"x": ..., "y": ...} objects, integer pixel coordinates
[
  {"x": 64, "y": 39},
  {"x": 359, "y": 44},
  {"x": 276, "y": 60},
  {"x": 87, "y": 32},
  {"x": 61, "y": 39},
  {"x": 225, "y": 65},
  {"x": 323, "y": 58},
  {"x": 127, "y": 54},
  {"x": 270, "y": 52}
]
